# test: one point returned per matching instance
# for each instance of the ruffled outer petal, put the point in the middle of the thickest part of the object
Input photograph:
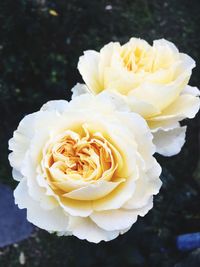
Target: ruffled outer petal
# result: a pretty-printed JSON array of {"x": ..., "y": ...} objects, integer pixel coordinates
[
  {"x": 169, "y": 141},
  {"x": 121, "y": 219},
  {"x": 87, "y": 229},
  {"x": 88, "y": 66},
  {"x": 159, "y": 95},
  {"x": 146, "y": 187},
  {"x": 114, "y": 219},
  {"x": 185, "y": 106},
  {"x": 56, "y": 105},
  {"x": 191, "y": 90},
  {"x": 20, "y": 143},
  {"x": 50, "y": 220},
  {"x": 79, "y": 89}
]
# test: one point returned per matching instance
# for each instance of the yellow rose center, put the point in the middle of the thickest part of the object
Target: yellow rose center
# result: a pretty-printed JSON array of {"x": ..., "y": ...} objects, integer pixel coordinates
[
  {"x": 135, "y": 59},
  {"x": 72, "y": 160}
]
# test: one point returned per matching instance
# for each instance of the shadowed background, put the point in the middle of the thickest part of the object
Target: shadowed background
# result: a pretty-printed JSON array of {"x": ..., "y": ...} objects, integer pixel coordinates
[{"x": 40, "y": 43}]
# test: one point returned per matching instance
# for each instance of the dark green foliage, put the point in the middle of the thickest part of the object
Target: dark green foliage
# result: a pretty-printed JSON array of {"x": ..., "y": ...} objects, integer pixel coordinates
[{"x": 39, "y": 54}]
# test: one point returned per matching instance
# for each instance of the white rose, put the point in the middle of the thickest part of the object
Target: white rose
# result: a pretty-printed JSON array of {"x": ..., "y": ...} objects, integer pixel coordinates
[
  {"x": 84, "y": 167},
  {"x": 152, "y": 80}
]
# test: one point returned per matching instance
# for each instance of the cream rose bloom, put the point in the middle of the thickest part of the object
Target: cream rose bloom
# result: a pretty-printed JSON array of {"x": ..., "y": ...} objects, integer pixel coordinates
[
  {"x": 152, "y": 80},
  {"x": 84, "y": 167}
]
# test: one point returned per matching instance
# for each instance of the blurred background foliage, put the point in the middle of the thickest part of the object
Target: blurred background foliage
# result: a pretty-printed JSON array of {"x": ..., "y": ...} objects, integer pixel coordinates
[{"x": 40, "y": 43}]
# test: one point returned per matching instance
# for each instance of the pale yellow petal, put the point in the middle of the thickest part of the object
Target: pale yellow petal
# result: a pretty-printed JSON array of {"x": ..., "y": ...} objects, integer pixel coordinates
[
  {"x": 159, "y": 95},
  {"x": 88, "y": 67},
  {"x": 114, "y": 219},
  {"x": 85, "y": 228},
  {"x": 185, "y": 106},
  {"x": 145, "y": 109},
  {"x": 149, "y": 184},
  {"x": 93, "y": 191},
  {"x": 119, "y": 196},
  {"x": 76, "y": 207}
]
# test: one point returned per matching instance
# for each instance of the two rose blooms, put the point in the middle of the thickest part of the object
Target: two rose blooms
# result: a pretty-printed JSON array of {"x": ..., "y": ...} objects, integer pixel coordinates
[{"x": 86, "y": 167}]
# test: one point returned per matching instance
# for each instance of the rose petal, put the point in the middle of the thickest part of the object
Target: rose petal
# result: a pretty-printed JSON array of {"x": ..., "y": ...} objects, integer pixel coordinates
[
  {"x": 158, "y": 95},
  {"x": 88, "y": 67},
  {"x": 79, "y": 89},
  {"x": 71, "y": 206},
  {"x": 57, "y": 105},
  {"x": 185, "y": 106},
  {"x": 145, "y": 209},
  {"x": 35, "y": 191},
  {"x": 191, "y": 90},
  {"x": 93, "y": 191},
  {"x": 87, "y": 229},
  {"x": 20, "y": 142},
  {"x": 50, "y": 220},
  {"x": 76, "y": 207},
  {"x": 143, "y": 108},
  {"x": 169, "y": 142},
  {"x": 143, "y": 137},
  {"x": 114, "y": 219},
  {"x": 162, "y": 125},
  {"x": 163, "y": 43},
  {"x": 144, "y": 189},
  {"x": 119, "y": 196},
  {"x": 16, "y": 175}
]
